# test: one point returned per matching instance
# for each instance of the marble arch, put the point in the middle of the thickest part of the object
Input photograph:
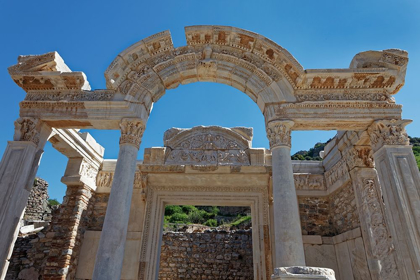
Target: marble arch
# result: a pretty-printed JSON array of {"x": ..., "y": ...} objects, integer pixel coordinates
[{"x": 357, "y": 101}]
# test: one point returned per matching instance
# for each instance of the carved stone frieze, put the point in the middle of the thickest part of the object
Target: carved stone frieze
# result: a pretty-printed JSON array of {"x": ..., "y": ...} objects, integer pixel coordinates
[
  {"x": 338, "y": 174},
  {"x": 26, "y": 129},
  {"x": 324, "y": 96},
  {"x": 97, "y": 95},
  {"x": 382, "y": 248},
  {"x": 208, "y": 146},
  {"x": 104, "y": 179},
  {"x": 309, "y": 182},
  {"x": 358, "y": 156},
  {"x": 88, "y": 170},
  {"x": 279, "y": 133},
  {"x": 388, "y": 132},
  {"x": 131, "y": 132}
]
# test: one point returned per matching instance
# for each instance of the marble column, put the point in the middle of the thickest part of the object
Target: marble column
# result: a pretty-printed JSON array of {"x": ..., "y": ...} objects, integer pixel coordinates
[
  {"x": 109, "y": 258},
  {"x": 287, "y": 228},
  {"x": 377, "y": 240},
  {"x": 400, "y": 184},
  {"x": 18, "y": 168}
]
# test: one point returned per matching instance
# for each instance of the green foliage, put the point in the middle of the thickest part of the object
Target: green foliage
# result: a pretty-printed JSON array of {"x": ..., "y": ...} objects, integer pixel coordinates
[
  {"x": 211, "y": 223},
  {"x": 188, "y": 208},
  {"x": 188, "y": 214},
  {"x": 312, "y": 154},
  {"x": 179, "y": 218},
  {"x": 197, "y": 216},
  {"x": 416, "y": 151},
  {"x": 415, "y": 141},
  {"x": 53, "y": 202},
  {"x": 240, "y": 220},
  {"x": 172, "y": 209}
]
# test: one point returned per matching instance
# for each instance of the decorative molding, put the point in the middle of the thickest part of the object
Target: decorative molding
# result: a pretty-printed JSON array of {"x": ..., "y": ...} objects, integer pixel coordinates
[
  {"x": 326, "y": 96},
  {"x": 359, "y": 156},
  {"x": 279, "y": 133},
  {"x": 388, "y": 132},
  {"x": 26, "y": 129},
  {"x": 97, "y": 95},
  {"x": 131, "y": 132}
]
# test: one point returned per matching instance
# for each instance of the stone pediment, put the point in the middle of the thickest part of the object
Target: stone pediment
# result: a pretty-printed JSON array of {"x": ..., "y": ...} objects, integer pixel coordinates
[{"x": 211, "y": 145}]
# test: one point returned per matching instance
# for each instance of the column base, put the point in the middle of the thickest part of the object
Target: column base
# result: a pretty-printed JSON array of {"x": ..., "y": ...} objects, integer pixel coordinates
[{"x": 303, "y": 273}]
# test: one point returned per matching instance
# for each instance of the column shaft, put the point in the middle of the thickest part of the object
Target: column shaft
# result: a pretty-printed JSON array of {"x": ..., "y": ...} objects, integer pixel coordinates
[
  {"x": 287, "y": 228},
  {"x": 110, "y": 255},
  {"x": 288, "y": 232}
]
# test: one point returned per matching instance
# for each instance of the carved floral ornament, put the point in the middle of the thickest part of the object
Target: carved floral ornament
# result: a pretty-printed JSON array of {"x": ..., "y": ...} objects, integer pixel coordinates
[
  {"x": 382, "y": 247},
  {"x": 359, "y": 157},
  {"x": 278, "y": 133},
  {"x": 131, "y": 132},
  {"x": 26, "y": 129},
  {"x": 388, "y": 132}
]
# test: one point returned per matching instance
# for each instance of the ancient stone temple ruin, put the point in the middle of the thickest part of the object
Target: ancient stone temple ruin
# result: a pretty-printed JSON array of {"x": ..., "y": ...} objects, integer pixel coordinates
[{"x": 355, "y": 215}]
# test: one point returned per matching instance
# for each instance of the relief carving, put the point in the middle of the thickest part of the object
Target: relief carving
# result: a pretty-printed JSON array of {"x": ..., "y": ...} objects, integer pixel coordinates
[
  {"x": 279, "y": 133},
  {"x": 381, "y": 245},
  {"x": 104, "y": 179},
  {"x": 131, "y": 132},
  {"x": 359, "y": 157},
  {"x": 97, "y": 95},
  {"x": 87, "y": 170},
  {"x": 208, "y": 146},
  {"x": 309, "y": 182},
  {"x": 26, "y": 130},
  {"x": 388, "y": 132},
  {"x": 338, "y": 172}
]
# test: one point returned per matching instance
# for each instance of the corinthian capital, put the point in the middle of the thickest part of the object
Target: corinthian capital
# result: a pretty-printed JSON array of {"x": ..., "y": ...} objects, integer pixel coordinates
[
  {"x": 388, "y": 132},
  {"x": 131, "y": 132},
  {"x": 27, "y": 129},
  {"x": 278, "y": 133}
]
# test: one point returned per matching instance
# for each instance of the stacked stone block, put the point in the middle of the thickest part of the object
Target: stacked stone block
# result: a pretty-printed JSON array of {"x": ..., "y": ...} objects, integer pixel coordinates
[{"x": 209, "y": 255}]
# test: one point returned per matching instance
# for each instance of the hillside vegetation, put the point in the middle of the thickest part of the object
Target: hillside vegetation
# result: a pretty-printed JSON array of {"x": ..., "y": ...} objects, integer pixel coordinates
[{"x": 313, "y": 153}]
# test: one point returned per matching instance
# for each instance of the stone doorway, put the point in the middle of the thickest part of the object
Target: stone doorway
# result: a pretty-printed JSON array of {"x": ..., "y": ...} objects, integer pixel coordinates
[{"x": 255, "y": 197}]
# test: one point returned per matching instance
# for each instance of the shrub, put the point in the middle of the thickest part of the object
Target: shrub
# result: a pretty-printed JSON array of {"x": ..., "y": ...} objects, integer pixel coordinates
[
  {"x": 53, "y": 202},
  {"x": 188, "y": 208},
  {"x": 172, "y": 209},
  {"x": 197, "y": 216},
  {"x": 179, "y": 218},
  {"x": 211, "y": 223}
]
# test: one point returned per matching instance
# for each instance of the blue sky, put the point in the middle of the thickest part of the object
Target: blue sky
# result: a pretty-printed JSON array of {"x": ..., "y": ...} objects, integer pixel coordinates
[{"x": 89, "y": 34}]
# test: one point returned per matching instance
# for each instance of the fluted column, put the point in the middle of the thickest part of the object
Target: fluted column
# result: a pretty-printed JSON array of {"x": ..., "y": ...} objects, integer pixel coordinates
[
  {"x": 18, "y": 168},
  {"x": 109, "y": 258},
  {"x": 287, "y": 228},
  {"x": 400, "y": 184}
]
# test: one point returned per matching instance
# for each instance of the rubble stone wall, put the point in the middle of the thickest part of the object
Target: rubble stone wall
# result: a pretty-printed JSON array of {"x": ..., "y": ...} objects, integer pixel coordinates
[
  {"x": 315, "y": 216},
  {"x": 37, "y": 207},
  {"x": 208, "y": 255}
]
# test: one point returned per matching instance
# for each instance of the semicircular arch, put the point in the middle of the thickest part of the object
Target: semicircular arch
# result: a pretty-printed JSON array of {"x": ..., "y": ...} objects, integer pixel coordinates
[{"x": 255, "y": 65}]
